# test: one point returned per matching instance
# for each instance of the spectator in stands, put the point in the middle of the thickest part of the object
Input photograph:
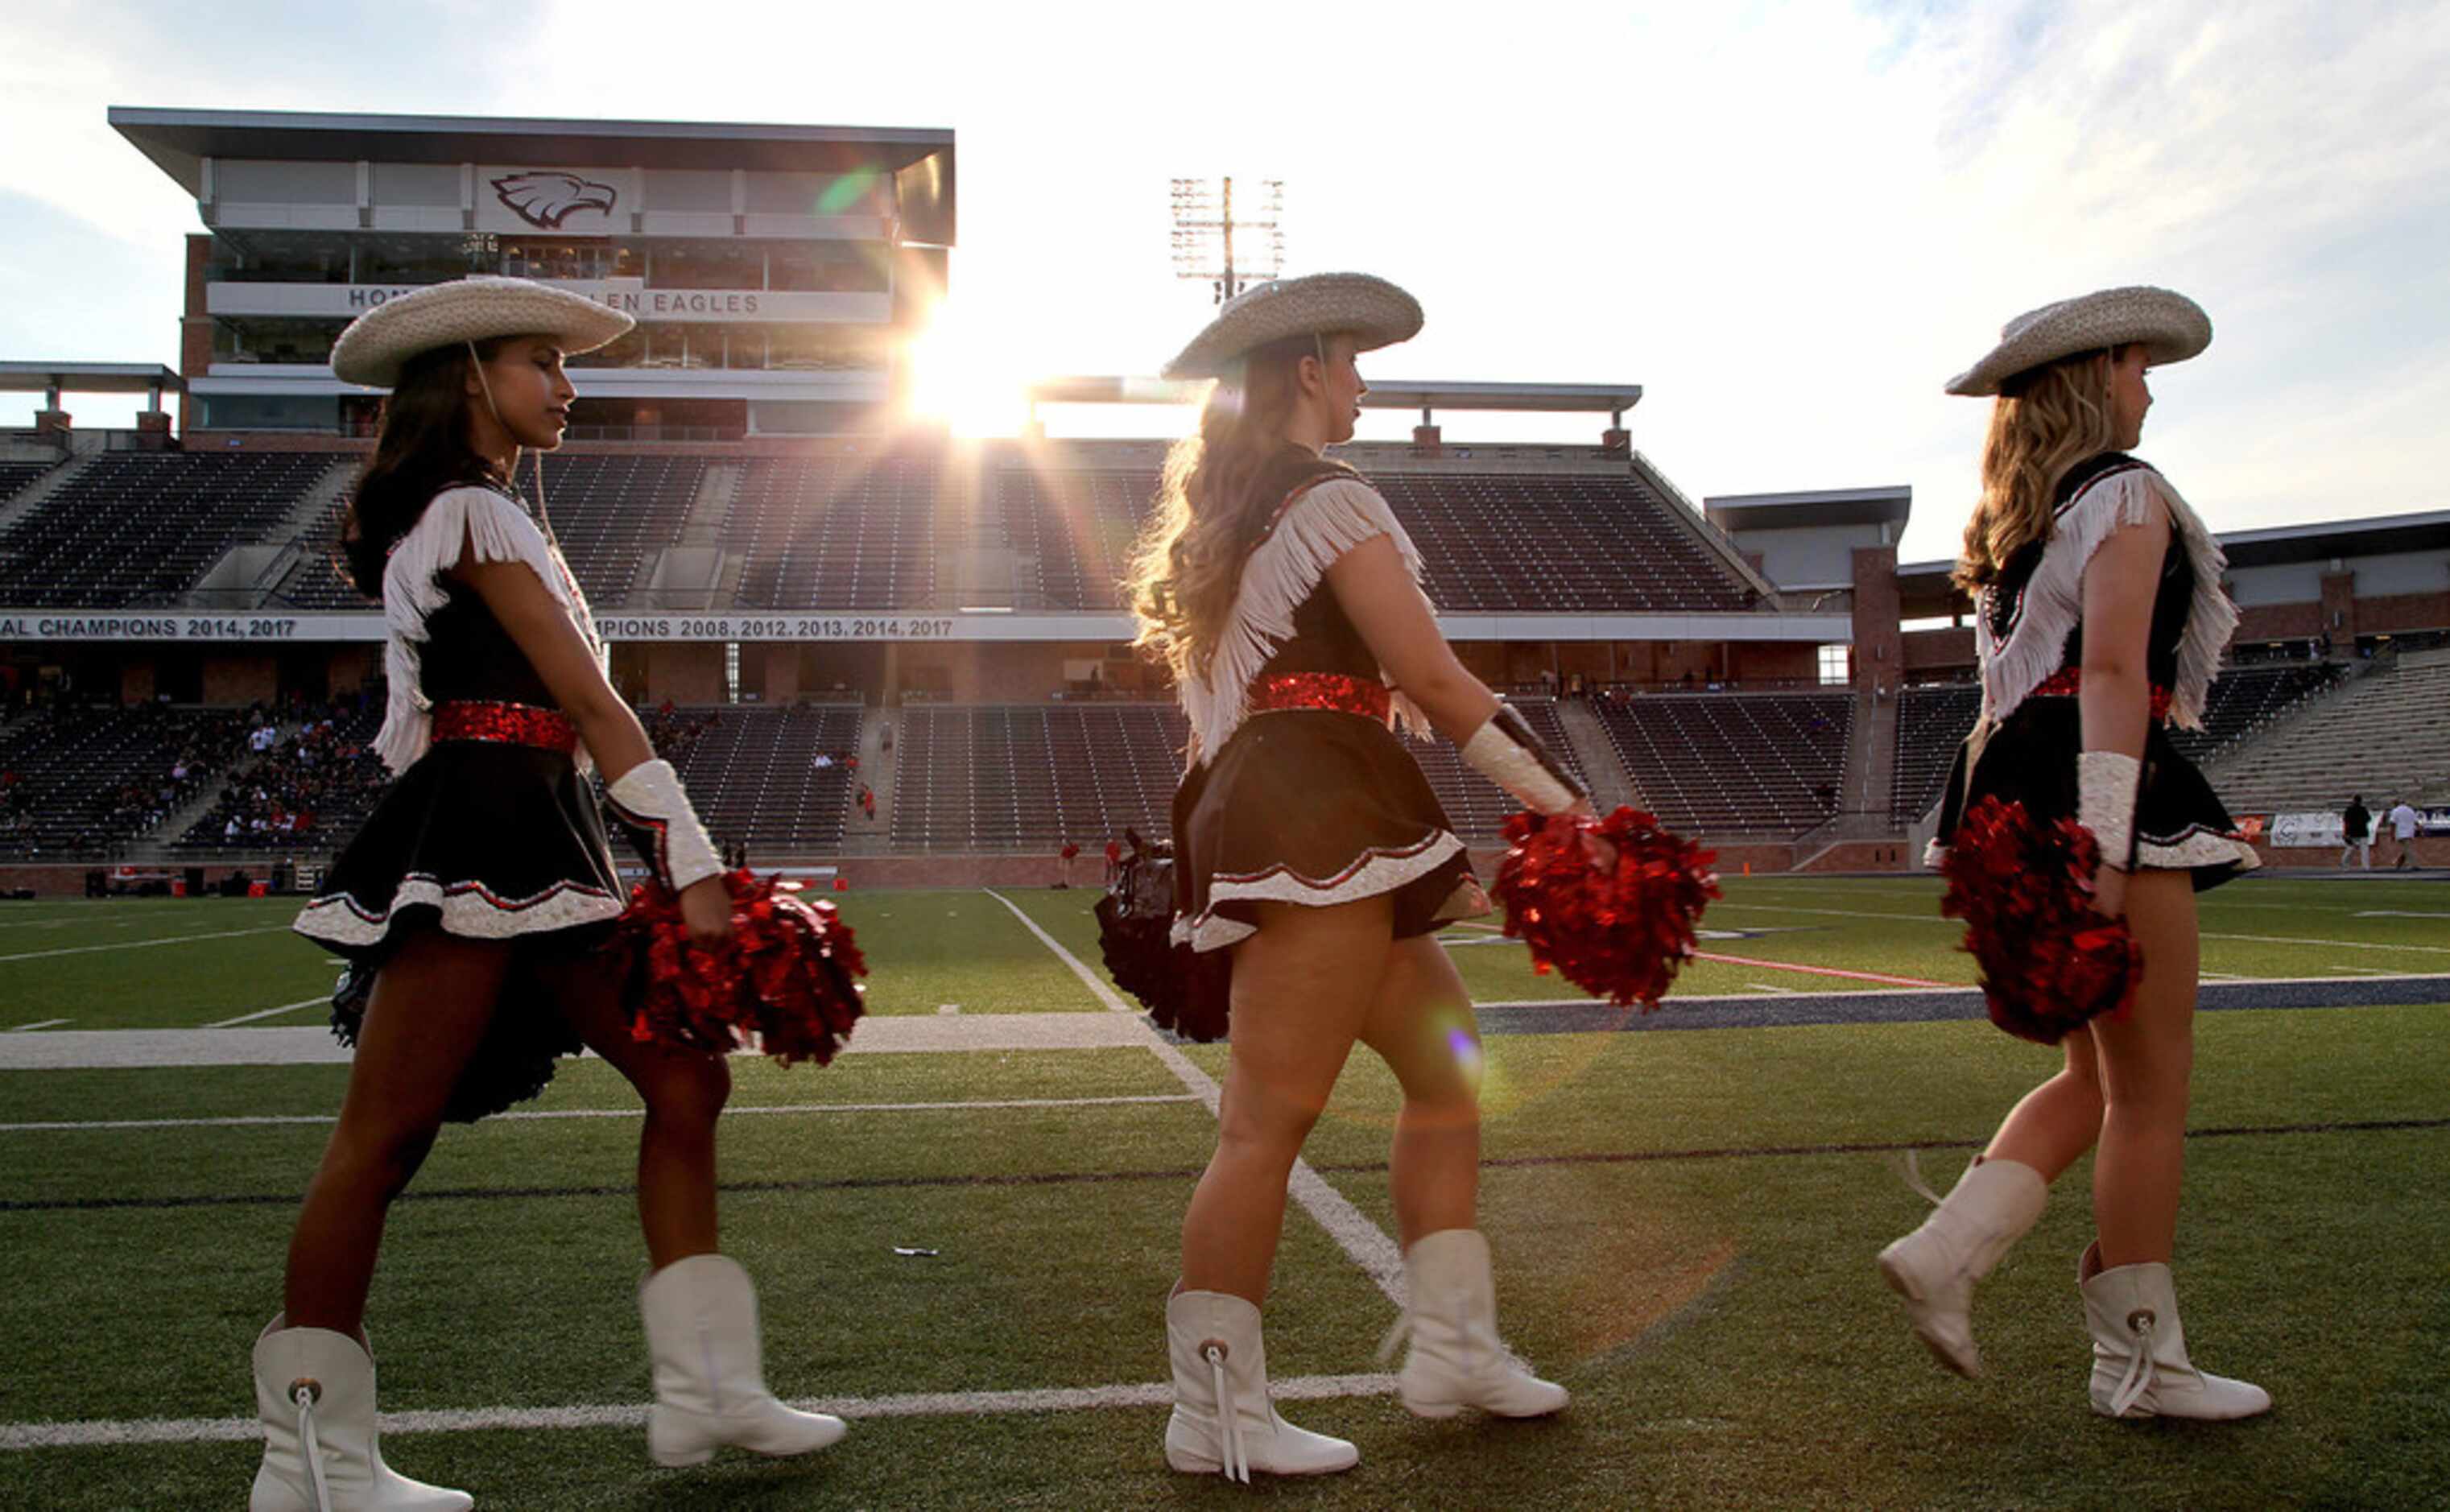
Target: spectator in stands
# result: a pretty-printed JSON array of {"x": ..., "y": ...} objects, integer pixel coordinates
[
  {"x": 2355, "y": 827},
  {"x": 1277, "y": 585},
  {"x": 2101, "y": 618},
  {"x": 2403, "y": 828},
  {"x": 469, "y": 901}
]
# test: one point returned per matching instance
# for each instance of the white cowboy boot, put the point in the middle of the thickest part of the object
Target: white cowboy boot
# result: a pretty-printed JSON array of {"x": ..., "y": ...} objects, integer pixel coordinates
[
  {"x": 1935, "y": 1268},
  {"x": 315, "y": 1390},
  {"x": 701, "y": 1317},
  {"x": 1456, "y": 1360},
  {"x": 1223, "y": 1421},
  {"x": 2140, "y": 1368}
]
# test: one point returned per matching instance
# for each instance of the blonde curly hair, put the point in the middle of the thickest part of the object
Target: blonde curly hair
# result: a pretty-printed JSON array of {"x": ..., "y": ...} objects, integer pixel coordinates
[{"x": 2044, "y": 422}]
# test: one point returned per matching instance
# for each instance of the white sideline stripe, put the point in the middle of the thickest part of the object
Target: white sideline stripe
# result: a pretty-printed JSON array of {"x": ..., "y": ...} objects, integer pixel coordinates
[
  {"x": 39, "y": 1024},
  {"x": 537, "y": 1114},
  {"x": 2343, "y": 944},
  {"x": 1783, "y": 992},
  {"x": 1936, "y": 919},
  {"x": 103, "y": 1432},
  {"x": 2396, "y": 913},
  {"x": 268, "y": 1013},
  {"x": 1364, "y": 1241},
  {"x": 142, "y": 944}
]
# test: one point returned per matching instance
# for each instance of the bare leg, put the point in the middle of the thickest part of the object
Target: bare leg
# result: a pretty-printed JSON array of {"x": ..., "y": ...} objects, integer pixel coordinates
[
  {"x": 2058, "y": 1120},
  {"x": 1421, "y": 1026},
  {"x": 2147, "y": 1058},
  {"x": 683, "y": 1090},
  {"x": 432, "y": 1004},
  {"x": 1303, "y": 986}
]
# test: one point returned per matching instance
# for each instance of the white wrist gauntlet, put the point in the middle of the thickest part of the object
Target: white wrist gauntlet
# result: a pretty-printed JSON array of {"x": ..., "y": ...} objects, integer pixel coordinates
[
  {"x": 649, "y": 804},
  {"x": 1505, "y": 752},
  {"x": 2105, "y": 783}
]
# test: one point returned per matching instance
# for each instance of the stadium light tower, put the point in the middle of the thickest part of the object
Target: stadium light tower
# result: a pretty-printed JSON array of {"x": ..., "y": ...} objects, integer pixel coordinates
[{"x": 1204, "y": 235}]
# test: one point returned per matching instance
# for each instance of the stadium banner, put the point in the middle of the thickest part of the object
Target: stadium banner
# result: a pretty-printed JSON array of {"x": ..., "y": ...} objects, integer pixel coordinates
[
  {"x": 174, "y": 625},
  {"x": 2308, "y": 830},
  {"x": 631, "y": 296}
]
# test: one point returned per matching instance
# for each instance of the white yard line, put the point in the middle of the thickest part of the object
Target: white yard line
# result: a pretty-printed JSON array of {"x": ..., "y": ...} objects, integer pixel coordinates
[
  {"x": 270, "y": 1013},
  {"x": 102, "y": 1432},
  {"x": 2330, "y": 944},
  {"x": 1364, "y": 1241},
  {"x": 540, "y": 1115},
  {"x": 141, "y": 945},
  {"x": 1763, "y": 986},
  {"x": 2396, "y": 913},
  {"x": 39, "y": 1024}
]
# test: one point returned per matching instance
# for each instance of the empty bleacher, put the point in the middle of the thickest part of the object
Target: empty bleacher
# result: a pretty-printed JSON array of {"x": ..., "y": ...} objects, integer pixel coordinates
[
  {"x": 1564, "y": 542},
  {"x": 753, "y": 776},
  {"x": 837, "y": 533},
  {"x": 999, "y": 777},
  {"x": 996, "y": 777},
  {"x": 1488, "y": 540},
  {"x": 613, "y": 514},
  {"x": 2386, "y": 735},
  {"x": 1932, "y": 722},
  {"x": 138, "y": 528},
  {"x": 1078, "y": 526},
  {"x": 14, "y": 476},
  {"x": 1733, "y": 762}
]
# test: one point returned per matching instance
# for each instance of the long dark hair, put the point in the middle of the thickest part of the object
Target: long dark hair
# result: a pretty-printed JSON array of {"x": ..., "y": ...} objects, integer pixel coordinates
[
  {"x": 1188, "y": 562},
  {"x": 421, "y": 449}
]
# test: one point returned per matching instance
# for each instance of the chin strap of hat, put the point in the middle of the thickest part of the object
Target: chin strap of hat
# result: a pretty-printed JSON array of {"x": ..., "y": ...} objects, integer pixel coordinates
[{"x": 483, "y": 382}]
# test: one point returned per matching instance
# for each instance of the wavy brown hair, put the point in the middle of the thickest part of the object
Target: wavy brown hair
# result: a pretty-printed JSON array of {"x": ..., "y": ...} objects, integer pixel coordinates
[
  {"x": 422, "y": 448},
  {"x": 2042, "y": 422},
  {"x": 1188, "y": 561}
]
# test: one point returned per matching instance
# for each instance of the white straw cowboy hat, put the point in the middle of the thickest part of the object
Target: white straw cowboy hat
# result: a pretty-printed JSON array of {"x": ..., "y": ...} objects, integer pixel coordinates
[
  {"x": 379, "y": 342},
  {"x": 2172, "y": 326},
  {"x": 1370, "y": 310}
]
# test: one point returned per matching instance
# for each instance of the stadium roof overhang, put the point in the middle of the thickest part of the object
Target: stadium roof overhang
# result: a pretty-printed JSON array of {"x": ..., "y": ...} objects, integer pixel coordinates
[
  {"x": 1841, "y": 506},
  {"x": 179, "y": 141},
  {"x": 2377, "y": 535},
  {"x": 55, "y": 378},
  {"x": 1577, "y": 398}
]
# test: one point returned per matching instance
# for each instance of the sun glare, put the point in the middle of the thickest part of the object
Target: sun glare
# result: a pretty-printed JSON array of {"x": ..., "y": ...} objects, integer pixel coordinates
[{"x": 966, "y": 376}]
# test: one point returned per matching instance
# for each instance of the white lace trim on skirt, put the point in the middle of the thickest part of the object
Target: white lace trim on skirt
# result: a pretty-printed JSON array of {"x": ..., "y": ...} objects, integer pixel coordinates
[
  {"x": 469, "y": 909},
  {"x": 1373, "y": 872}
]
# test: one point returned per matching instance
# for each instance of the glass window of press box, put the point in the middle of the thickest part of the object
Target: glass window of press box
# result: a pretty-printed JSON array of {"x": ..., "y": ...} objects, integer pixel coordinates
[{"x": 274, "y": 339}]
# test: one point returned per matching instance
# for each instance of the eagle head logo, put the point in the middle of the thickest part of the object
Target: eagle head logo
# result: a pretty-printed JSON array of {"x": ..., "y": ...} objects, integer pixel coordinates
[{"x": 545, "y": 199}]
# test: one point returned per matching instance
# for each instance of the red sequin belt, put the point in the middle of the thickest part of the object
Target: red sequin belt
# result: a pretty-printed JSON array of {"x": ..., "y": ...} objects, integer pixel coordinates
[
  {"x": 1365, "y": 696},
  {"x": 506, "y": 725},
  {"x": 2068, "y": 681}
]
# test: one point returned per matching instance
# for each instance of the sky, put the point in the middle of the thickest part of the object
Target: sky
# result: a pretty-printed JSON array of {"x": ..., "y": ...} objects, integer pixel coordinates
[{"x": 1789, "y": 223}]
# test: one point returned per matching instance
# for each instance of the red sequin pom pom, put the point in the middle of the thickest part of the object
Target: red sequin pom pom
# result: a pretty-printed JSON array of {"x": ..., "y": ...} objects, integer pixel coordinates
[
  {"x": 783, "y": 983},
  {"x": 1620, "y": 933},
  {"x": 2049, "y": 961}
]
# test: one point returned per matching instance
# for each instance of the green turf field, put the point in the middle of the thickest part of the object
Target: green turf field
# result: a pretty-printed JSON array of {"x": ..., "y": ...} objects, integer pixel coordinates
[{"x": 1683, "y": 1222}]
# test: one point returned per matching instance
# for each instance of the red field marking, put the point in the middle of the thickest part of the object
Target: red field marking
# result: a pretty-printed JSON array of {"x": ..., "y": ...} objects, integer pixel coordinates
[{"x": 1823, "y": 971}]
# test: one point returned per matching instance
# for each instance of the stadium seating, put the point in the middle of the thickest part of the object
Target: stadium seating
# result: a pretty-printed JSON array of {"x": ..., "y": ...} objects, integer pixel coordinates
[
  {"x": 1733, "y": 762},
  {"x": 613, "y": 514},
  {"x": 138, "y": 528},
  {"x": 14, "y": 476},
  {"x": 2386, "y": 736},
  {"x": 998, "y": 777},
  {"x": 80, "y": 783},
  {"x": 752, "y": 774},
  {"x": 1932, "y": 722},
  {"x": 1488, "y": 540},
  {"x": 324, "y": 779},
  {"x": 1078, "y": 526},
  {"x": 1569, "y": 542},
  {"x": 837, "y": 533}
]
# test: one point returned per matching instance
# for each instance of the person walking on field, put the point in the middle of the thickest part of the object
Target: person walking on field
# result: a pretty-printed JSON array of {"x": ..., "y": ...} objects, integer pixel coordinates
[
  {"x": 2099, "y": 620},
  {"x": 2355, "y": 828},
  {"x": 471, "y": 902},
  {"x": 1312, "y": 855},
  {"x": 2403, "y": 828}
]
